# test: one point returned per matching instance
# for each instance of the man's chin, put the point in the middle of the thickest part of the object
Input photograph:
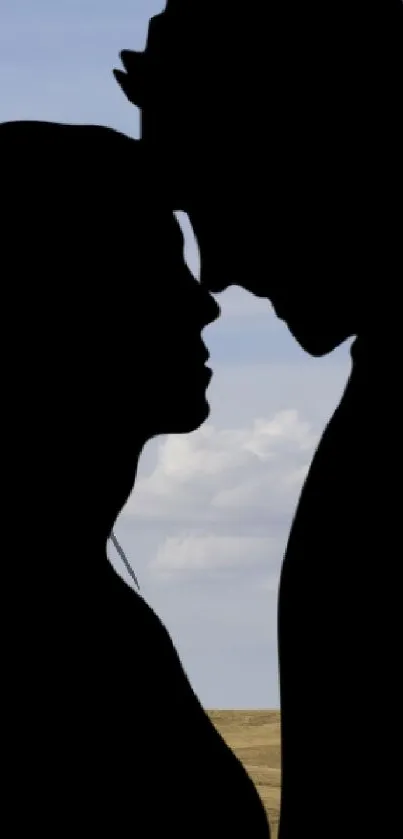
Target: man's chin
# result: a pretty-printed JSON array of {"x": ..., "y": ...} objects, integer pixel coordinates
[
  {"x": 316, "y": 343},
  {"x": 318, "y": 346}
]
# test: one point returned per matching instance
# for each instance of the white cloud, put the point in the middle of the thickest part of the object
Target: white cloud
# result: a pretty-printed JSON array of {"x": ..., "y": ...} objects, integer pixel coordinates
[
  {"x": 192, "y": 552},
  {"x": 227, "y": 494},
  {"x": 226, "y": 468}
]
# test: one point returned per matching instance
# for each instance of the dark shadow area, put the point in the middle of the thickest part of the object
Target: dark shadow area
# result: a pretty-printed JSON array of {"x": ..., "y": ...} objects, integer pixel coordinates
[
  {"x": 278, "y": 129},
  {"x": 102, "y": 350}
]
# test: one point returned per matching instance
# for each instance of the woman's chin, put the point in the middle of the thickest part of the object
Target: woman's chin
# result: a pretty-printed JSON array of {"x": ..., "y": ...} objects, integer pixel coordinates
[{"x": 189, "y": 418}]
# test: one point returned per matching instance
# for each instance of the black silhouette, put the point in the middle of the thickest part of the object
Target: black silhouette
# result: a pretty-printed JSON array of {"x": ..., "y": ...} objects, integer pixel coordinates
[
  {"x": 102, "y": 350},
  {"x": 282, "y": 139}
]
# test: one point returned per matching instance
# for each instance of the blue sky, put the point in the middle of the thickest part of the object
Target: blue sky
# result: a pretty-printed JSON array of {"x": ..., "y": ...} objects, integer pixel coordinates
[{"x": 207, "y": 523}]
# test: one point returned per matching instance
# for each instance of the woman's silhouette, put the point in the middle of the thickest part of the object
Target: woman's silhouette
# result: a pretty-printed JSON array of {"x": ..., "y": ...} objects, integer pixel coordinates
[{"x": 102, "y": 350}]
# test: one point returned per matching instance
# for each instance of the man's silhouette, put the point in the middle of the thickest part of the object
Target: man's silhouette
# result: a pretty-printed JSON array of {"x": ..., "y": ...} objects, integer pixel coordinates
[
  {"x": 282, "y": 139},
  {"x": 102, "y": 350}
]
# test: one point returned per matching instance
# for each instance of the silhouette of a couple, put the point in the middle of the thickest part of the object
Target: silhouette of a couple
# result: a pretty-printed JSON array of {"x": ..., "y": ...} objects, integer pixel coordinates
[{"x": 105, "y": 349}]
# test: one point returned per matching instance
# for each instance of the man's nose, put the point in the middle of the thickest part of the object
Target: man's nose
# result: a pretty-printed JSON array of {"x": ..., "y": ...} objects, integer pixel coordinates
[
  {"x": 210, "y": 309},
  {"x": 215, "y": 280}
]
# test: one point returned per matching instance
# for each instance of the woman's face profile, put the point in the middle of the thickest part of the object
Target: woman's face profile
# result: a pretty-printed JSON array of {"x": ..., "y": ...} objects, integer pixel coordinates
[
  {"x": 165, "y": 351},
  {"x": 116, "y": 363}
]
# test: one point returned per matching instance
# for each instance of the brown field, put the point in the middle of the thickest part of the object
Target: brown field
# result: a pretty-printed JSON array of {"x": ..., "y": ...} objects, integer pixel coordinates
[{"x": 254, "y": 736}]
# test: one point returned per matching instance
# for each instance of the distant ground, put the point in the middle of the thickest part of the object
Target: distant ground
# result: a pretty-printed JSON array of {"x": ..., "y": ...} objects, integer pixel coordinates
[{"x": 254, "y": 736}]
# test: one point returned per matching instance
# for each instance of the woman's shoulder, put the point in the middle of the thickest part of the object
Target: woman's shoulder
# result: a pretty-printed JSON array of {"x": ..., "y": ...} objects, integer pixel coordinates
[
  {"x": 129, "y": 608},
  {"x": 141, "y": 639},
  {"x": 133, "y": 614}
]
